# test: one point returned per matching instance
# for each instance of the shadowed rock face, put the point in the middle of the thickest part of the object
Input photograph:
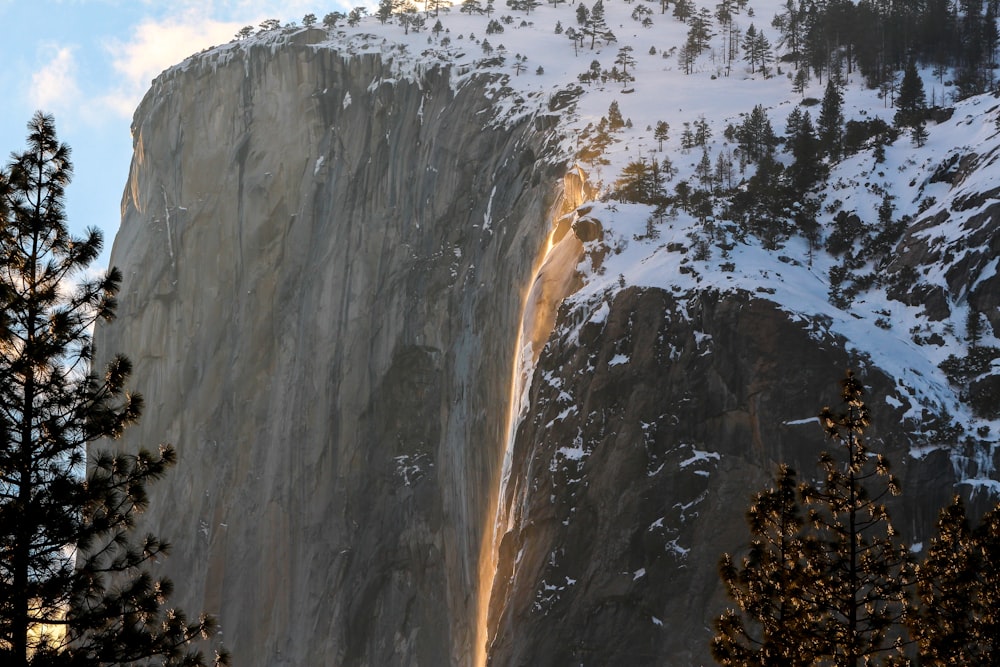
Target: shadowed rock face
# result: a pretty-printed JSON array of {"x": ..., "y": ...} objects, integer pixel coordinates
[
  {"x": 323, "y": 278},
  {"x": 647, "y": 433}
]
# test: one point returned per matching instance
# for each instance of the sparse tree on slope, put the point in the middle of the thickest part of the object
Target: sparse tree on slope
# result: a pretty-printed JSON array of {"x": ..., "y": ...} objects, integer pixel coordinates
[
  {"x": 269, "y": 24},
  {"x": 765, "y": 56},
  {"x": 750, "y": 53},
  {"x": 385, "y": 10},
  {"x": 807, "y": 168},
  {"x": 596, "y": 25},
  {"x": 331, "y": 18},
  {"x": 661, "y": 132},
  {"x": 911, "y": 104},
  {"x": 355, "y": 15},
  {"x": 73, "y": 590},
  {"x": 625, "y": 59},
  {"x": 831, "y": 121}
]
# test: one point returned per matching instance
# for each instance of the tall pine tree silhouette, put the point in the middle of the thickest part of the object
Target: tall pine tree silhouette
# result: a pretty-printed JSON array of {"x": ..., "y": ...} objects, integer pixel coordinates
[
  {"x": 824, "y": 579},
  {"x": 864, "y": 571},
  {"x": 73, "y": 590}
]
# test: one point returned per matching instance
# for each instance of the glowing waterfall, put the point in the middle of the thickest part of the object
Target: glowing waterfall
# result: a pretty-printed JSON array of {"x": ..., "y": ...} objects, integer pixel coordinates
[{"x": 554, "y": 278}]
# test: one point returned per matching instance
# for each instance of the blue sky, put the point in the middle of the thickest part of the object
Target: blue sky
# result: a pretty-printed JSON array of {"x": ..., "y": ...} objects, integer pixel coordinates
[{"x": 89, "y": 62}]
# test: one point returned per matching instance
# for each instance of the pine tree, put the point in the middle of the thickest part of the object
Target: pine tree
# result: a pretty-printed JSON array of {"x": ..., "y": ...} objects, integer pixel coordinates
[
  {"x": 770, "y": 586},
  {"x": 355, "y": 15},
  {"x": 987, "y": 628},
  {"x": 865, "y": 570},
  {"x": 830, "y": 587},
  {"x": 519, "y": 66},
  {"x": 73, "y": 590},
  {"x": 615, "y": 119},
  {"x": 801, "y": 81},
  {"x": 331, "y": 18},
  {"x": 683, "y": 9},
  {"x": 790, "y": 26},
  {"x": 765, "y": 56},
  {"x": 385, "y": 10},
  {"x": 631, "y": 186},
  {"x": 661, "y": 132},
  {"x": 596, "y": 26},
  {"x": 750, "y": 44},
  {"x": 575, "y": 37},
  {"x": 804, "y": 215},
  {"x": 911, "y": 103},
  {"x": 831, "y": 121},
  {"x": 702, "y": 131},
  {"x": 626, "y": 60},
  {"x": 687, "y": 137},
  {"x": 792, "y": 125},
  {"x": 806, "y": 169},
  {"x": 957, "y": 621},
  {"x": 698, "y": 37},
  {"x": 947, "y": 583},
  {"x": 704, "y": 170},
  {"x": 755, "y": 135},
  {"x": 724, "y": 12},
  {"x": 973, "y": 327},
  {"x": 724, "y": 169}
]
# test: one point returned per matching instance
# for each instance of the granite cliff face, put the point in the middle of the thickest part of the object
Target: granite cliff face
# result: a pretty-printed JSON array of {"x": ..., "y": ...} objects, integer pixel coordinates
[
  {"x": 339, "y": 277},
  {"x": 324, "y": 268}
]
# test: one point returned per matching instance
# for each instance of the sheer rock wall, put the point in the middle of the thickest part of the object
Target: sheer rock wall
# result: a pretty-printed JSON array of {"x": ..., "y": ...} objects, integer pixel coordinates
[{"x": 324, "y": 269}]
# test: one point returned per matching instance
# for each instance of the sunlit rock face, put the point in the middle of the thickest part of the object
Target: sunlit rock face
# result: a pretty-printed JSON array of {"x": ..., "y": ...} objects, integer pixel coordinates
[{"x": 324, "y": 269}]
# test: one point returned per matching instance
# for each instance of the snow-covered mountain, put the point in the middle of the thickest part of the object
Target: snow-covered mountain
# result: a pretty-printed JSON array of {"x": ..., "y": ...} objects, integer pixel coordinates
[{"x": 443, "y": 394}]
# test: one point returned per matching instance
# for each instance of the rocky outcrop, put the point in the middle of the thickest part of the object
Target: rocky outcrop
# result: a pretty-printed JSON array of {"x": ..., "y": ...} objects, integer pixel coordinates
[{"x": 324, "y": 267}]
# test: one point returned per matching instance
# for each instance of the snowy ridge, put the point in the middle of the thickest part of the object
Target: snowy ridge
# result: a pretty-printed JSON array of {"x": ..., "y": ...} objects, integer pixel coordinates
[{"x": 534, "y": 70}]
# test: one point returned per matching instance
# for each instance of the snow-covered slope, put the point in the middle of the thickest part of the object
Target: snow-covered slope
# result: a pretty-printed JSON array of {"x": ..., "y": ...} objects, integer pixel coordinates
[{"x": 535, "y": 72}]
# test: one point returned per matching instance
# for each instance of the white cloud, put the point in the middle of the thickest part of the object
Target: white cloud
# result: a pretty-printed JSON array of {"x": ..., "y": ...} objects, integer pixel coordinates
[
  {"x": 158, "y": 42},
  {"x": 54, "y": 86},
  {"x": 155, "y": 45}
]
